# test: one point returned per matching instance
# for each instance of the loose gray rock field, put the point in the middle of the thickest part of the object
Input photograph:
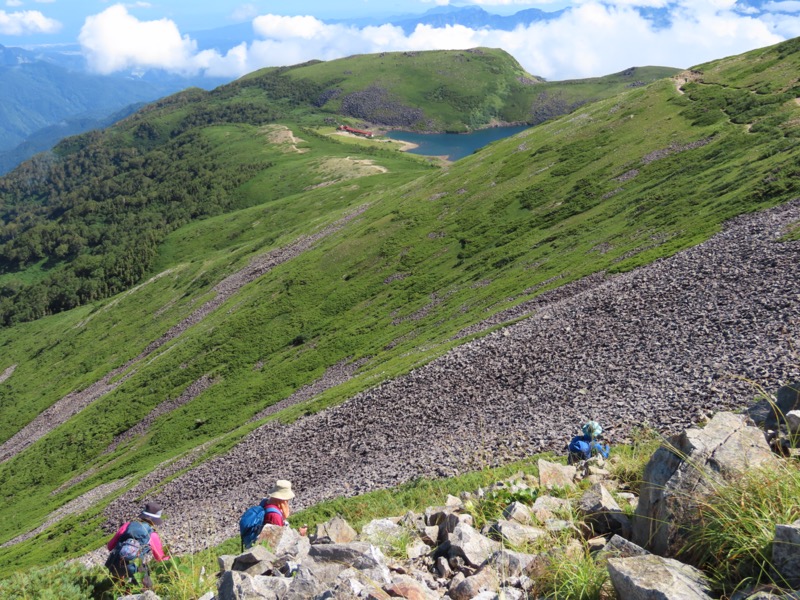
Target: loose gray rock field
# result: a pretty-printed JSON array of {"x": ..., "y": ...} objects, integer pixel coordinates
[{"x": 664, "y": 345}]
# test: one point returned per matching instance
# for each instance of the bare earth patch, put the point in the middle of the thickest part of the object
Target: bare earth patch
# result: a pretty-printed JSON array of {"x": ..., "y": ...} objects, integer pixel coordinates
[
  {"x": 7, "y": 373},
  {"x": 79, "y": 504},
  {"x": 335, "y": 170},
  {"x": 282, "y": 136}
]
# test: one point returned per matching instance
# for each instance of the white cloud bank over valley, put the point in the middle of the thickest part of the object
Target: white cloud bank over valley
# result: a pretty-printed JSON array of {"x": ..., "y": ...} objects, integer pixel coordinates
[{"x": 591, "y": 39}]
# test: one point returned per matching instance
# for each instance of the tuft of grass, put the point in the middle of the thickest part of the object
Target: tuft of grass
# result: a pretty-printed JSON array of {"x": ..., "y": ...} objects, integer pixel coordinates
[
  {"x": 732, "y": 538},
  {"x": 574, "y": 576},
  {"x": 628, "y": 461},
  {"x": 185, "y": 578},
  {"x": 396, "y": 546},
  {"x": 489, "y": 507}
]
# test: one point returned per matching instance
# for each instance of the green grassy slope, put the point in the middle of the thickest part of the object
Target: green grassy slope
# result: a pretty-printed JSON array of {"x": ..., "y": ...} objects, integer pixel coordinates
[
  {"x": 455, "y": 90},
  {"x": 615, "y": 185}
]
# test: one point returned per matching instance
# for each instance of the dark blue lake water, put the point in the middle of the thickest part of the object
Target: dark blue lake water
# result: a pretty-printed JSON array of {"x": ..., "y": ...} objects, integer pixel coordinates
[{"x": 453, "y": 145}]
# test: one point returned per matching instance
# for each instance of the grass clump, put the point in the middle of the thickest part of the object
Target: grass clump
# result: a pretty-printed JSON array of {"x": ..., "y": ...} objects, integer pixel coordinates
[
  {"x": 628, "y": 461},
  {"x": 575, "y": 575},
  {"x": 186, "y": 577},
  {"x": 489, "y": 506},
  {"x": 57, "y": 582},
  {"x": 732, "y": 538}
]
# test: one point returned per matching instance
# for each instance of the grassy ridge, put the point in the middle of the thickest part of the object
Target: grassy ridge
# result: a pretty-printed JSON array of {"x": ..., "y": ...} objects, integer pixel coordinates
[{"x": 617, "y": 184}]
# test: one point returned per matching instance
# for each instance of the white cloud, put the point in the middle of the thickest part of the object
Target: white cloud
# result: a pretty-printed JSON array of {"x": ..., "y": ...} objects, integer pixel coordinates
[
  {"x": 593, "y": 38},
  {"x": 26, "y": 22},
  {"x": 113, "y": 40},
  {"x": 287, "y": 28},
  {"x": 13, "y": 3},
  {"x": 788, "y": 6},
  {"x": 245, "y": 12}
]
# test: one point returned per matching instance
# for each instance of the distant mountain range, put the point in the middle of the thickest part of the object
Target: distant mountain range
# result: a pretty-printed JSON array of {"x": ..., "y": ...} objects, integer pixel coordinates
[{"x": 48, "y": 95}]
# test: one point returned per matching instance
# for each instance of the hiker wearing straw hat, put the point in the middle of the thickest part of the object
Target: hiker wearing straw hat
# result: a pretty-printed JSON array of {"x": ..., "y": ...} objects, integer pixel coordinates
[
  {"x": 272, "y": 510},
  {"x": 279, "y": 497}
]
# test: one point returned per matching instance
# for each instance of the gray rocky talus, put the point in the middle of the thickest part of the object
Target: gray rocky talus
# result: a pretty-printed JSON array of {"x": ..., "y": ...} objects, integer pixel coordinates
[{"x": 666, "y": 344}]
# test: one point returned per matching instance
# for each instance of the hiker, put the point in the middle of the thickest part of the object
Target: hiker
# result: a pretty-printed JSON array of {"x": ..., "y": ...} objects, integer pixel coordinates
[
  {"x": 135, "y": 541},
  {"x": 583, "y": 447},
  {"x": 272, "y": 510}
]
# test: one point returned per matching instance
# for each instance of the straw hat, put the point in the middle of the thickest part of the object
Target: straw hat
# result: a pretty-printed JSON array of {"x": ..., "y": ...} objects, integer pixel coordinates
[{"x": 282, "y": 490}]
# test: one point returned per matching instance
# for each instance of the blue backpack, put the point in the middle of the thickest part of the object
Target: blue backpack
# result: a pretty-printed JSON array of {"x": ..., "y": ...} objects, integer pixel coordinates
[
  {"x": 579, "y": 449},
  {"x": 252, "y": 522},
  {"x": 132, "y": 545}
]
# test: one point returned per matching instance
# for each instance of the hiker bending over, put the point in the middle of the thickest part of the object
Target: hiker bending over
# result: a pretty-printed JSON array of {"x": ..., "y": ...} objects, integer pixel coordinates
[
  {"x": 583, "y": 447},
  {"x": 273, "y": 510},
  {"x": 135, "y": 542}
]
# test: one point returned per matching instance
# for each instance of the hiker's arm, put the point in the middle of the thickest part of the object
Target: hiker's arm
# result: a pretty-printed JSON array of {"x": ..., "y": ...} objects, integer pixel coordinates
[
  {"x": 113, "y": 541},
  {"x": 157, "y": 548}
]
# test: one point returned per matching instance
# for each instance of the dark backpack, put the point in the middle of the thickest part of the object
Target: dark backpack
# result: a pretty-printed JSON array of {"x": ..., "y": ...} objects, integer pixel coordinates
[
  {"x": 132, "y": 545},
  {"x": 252, "y": 522}
]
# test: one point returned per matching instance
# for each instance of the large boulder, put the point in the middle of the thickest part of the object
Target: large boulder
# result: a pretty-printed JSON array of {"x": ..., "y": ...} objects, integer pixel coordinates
[
  {"x": 335, "y": 531},
  {"x": 685, "y": 470},
  {"x": 285, "y": 542},
  {"x": 486, "y": 579},
  {"x": 556, "y": 475},
  {"x": 513, "y": 564},
  {"x": 405, "y": 586},
  {"x": 516, "y": 534},
  {"x": 603, "y": 513},
  {"x": 519, "y": 512},
  {"x": 234, "y": 585},
  {"x": 360, "y": 556},
  {"x": 470, "y": 545},
  {"x": 651, "y": 577},
  {"x": 255, "y": 561}
]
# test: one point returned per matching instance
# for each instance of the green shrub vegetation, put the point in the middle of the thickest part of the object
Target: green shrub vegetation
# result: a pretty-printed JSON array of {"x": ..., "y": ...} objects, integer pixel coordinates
[
  {"x": 732, "y": 539},
  {"x": 122, "y": 234}
]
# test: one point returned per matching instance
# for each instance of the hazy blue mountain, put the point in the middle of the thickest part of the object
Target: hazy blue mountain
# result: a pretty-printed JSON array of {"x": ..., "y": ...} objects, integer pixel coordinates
[
  {"x": 46, "y": 138},
  {"x": 47, "y": 95},
  {"x": 474, "y": 17}
]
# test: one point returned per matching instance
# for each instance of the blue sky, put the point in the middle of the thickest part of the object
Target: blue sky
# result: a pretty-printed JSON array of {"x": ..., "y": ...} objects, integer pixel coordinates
[{"x": 594, "y": 37}]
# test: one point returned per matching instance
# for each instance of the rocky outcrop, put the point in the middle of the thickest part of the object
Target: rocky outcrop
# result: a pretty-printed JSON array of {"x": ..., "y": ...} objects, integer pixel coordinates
[
  {"x": 653, "y": 577},
  {"x": 685, "y": 470},
  {"x": 448, "y": 559}
]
